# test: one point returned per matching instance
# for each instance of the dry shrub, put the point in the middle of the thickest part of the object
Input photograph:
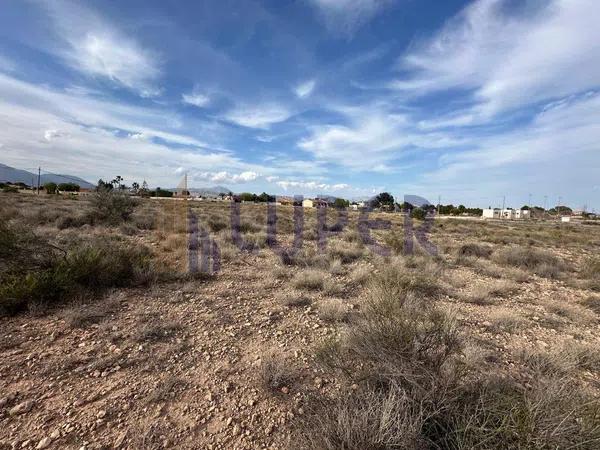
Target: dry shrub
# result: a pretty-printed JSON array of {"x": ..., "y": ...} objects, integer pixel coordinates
[
  {"x": 84, "y": 315},
  {"x": 490, "y": 269},
  {"x": 570, "y": 311},
  {"x": 155, "y": 329},
  {"x": 361, "y": 274},
  {"x": 395, "y": 280},
  {"x": 562, "y": 361},
  {"x": 276, "y": 372},
  {"x": 412, "y": 392},
  {"x": 292, "y": 299},
  {"x": 332, "y": 310},
  {"x": 506, "y": 321},
  {"x": 343, "y": 251},
  {"x": 488, "y": 294},
  {"x": 476, "y": 250},
  {"x": 309, "y": 279},
  {"x": 590, "y": 270},
  {"x": 592, "y": 302},
  {"x": 540, "y": 262},
  {"x": 336, "y": 267}
]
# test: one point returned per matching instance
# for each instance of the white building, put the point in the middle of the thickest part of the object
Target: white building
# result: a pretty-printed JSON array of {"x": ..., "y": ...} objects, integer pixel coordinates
[
  {"x": 491, "y": 213},
  {"x": 357, "y": 206},
  {"x": 509, "y": 214},
  {"x": 522, "y": 214}
]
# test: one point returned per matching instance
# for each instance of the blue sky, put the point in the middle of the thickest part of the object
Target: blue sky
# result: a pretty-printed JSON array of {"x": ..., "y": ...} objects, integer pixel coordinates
[{"x": 468, "y": 100}]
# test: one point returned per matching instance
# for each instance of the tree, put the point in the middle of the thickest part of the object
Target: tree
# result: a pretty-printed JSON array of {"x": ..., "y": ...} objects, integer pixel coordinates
[
  {"x": 135, "y": 187},
  {"x": 103, "y": 185},
  {"x": 384, "y": 200},
  {"x": 418, "y": 213},
  {"x": 340, "y": 203},
  {"x": 248, "y": 197},
  {"x": 406, "y": 206},
  {"x": 117, "y": 181},
  {"x": 161, "y": 193},
  {"x": 51, "y": 188},
  {"x": 266, "y": 198},
  {"x": 68, "y": 187},
  {"x": 144, "y": 191}
]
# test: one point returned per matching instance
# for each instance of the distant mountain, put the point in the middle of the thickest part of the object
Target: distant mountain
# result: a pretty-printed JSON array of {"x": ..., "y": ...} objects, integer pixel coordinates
[{"x": 12, "y": 175}]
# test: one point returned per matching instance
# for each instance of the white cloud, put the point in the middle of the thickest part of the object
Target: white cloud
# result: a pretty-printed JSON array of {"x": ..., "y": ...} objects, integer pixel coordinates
[
  {"x": 510, "y": 59},
  {"x": 227, "y": 177},
  {"x": 303, "y": 90},
  {"x": 196, "y": 99},
  {"x": 104, "y": 138},
  {"x": 556, "y": 153},
  {"x": 97, "y": 48},
  {"x": 139, "y": 136},
  {"x": 311, "y": 186},
  {"x": 50, "y": 135},
  {"x": 261, "y": 116},
  {"x": 343, "y": 17}
]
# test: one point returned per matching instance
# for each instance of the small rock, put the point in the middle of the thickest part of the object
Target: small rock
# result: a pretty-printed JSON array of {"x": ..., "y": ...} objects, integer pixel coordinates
[
  {"x": 55, "y": 434},
  {"x": 101, "y": 414},
  {"x": 21, "y": 408},
  {"x": 285, "y": 390},
  {"x": 44, "y": 443},
  {"x": 120, "y": 440}
]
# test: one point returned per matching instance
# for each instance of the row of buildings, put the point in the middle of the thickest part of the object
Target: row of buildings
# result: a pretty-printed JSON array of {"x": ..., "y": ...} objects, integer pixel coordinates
[{"x": 508, "y": 213}]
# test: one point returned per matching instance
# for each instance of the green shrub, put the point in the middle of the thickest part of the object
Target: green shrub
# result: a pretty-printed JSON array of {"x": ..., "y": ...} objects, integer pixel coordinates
[
  {"x": 38, "y": 273},
  {"x": 111, "y": 207},
  {"x": 418, "y": 213}
]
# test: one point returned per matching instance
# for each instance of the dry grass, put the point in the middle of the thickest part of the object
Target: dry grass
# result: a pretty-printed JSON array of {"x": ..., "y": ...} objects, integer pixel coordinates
[
  {"x": 506, "y": 321},
  {"x": 540, "y": 262},
  {"x": 592, "y": 302},
  {"x": 155, "y": 329},
  {"x": 490, "y": 293},
  {"x": 332, "y": 310},
  {"x": 309, "y": 279},
  {"x": 276, "y": 372},
  {"x": 361, "y": 274},
  {"x": 292, "y": 299},
  {"x": 571, "y": 312}
]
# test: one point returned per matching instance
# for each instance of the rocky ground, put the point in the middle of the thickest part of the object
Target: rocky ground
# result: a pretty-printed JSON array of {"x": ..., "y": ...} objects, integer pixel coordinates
[{"x": 181, "y": 365}]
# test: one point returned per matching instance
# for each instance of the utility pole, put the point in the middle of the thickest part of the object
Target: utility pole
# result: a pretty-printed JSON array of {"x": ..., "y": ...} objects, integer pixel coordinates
[
  {"x": 558, "y": 208},
  {"x": 439, "y": 203},
  {"x": 529, "y": 204},
  {"x": 39, "y": 175},
  {"x": 545, "y": 203},
  {"x": 503, "y": 205}
]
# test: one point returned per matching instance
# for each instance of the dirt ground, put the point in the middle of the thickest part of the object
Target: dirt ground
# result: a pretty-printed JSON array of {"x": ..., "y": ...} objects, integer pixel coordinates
[{"x": 181, "y": 363}]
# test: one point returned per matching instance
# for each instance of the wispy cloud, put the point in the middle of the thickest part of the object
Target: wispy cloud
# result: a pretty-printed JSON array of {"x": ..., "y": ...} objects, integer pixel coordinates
[
  {"x": 509, "y": 59},
  {"x": 303, "y": 90},
  {"x": 96, "y": 47},
  {"x": 196, "y": 99},
  {"x": 344, "y": 17},
  {"x": 260, "y": 116}
]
